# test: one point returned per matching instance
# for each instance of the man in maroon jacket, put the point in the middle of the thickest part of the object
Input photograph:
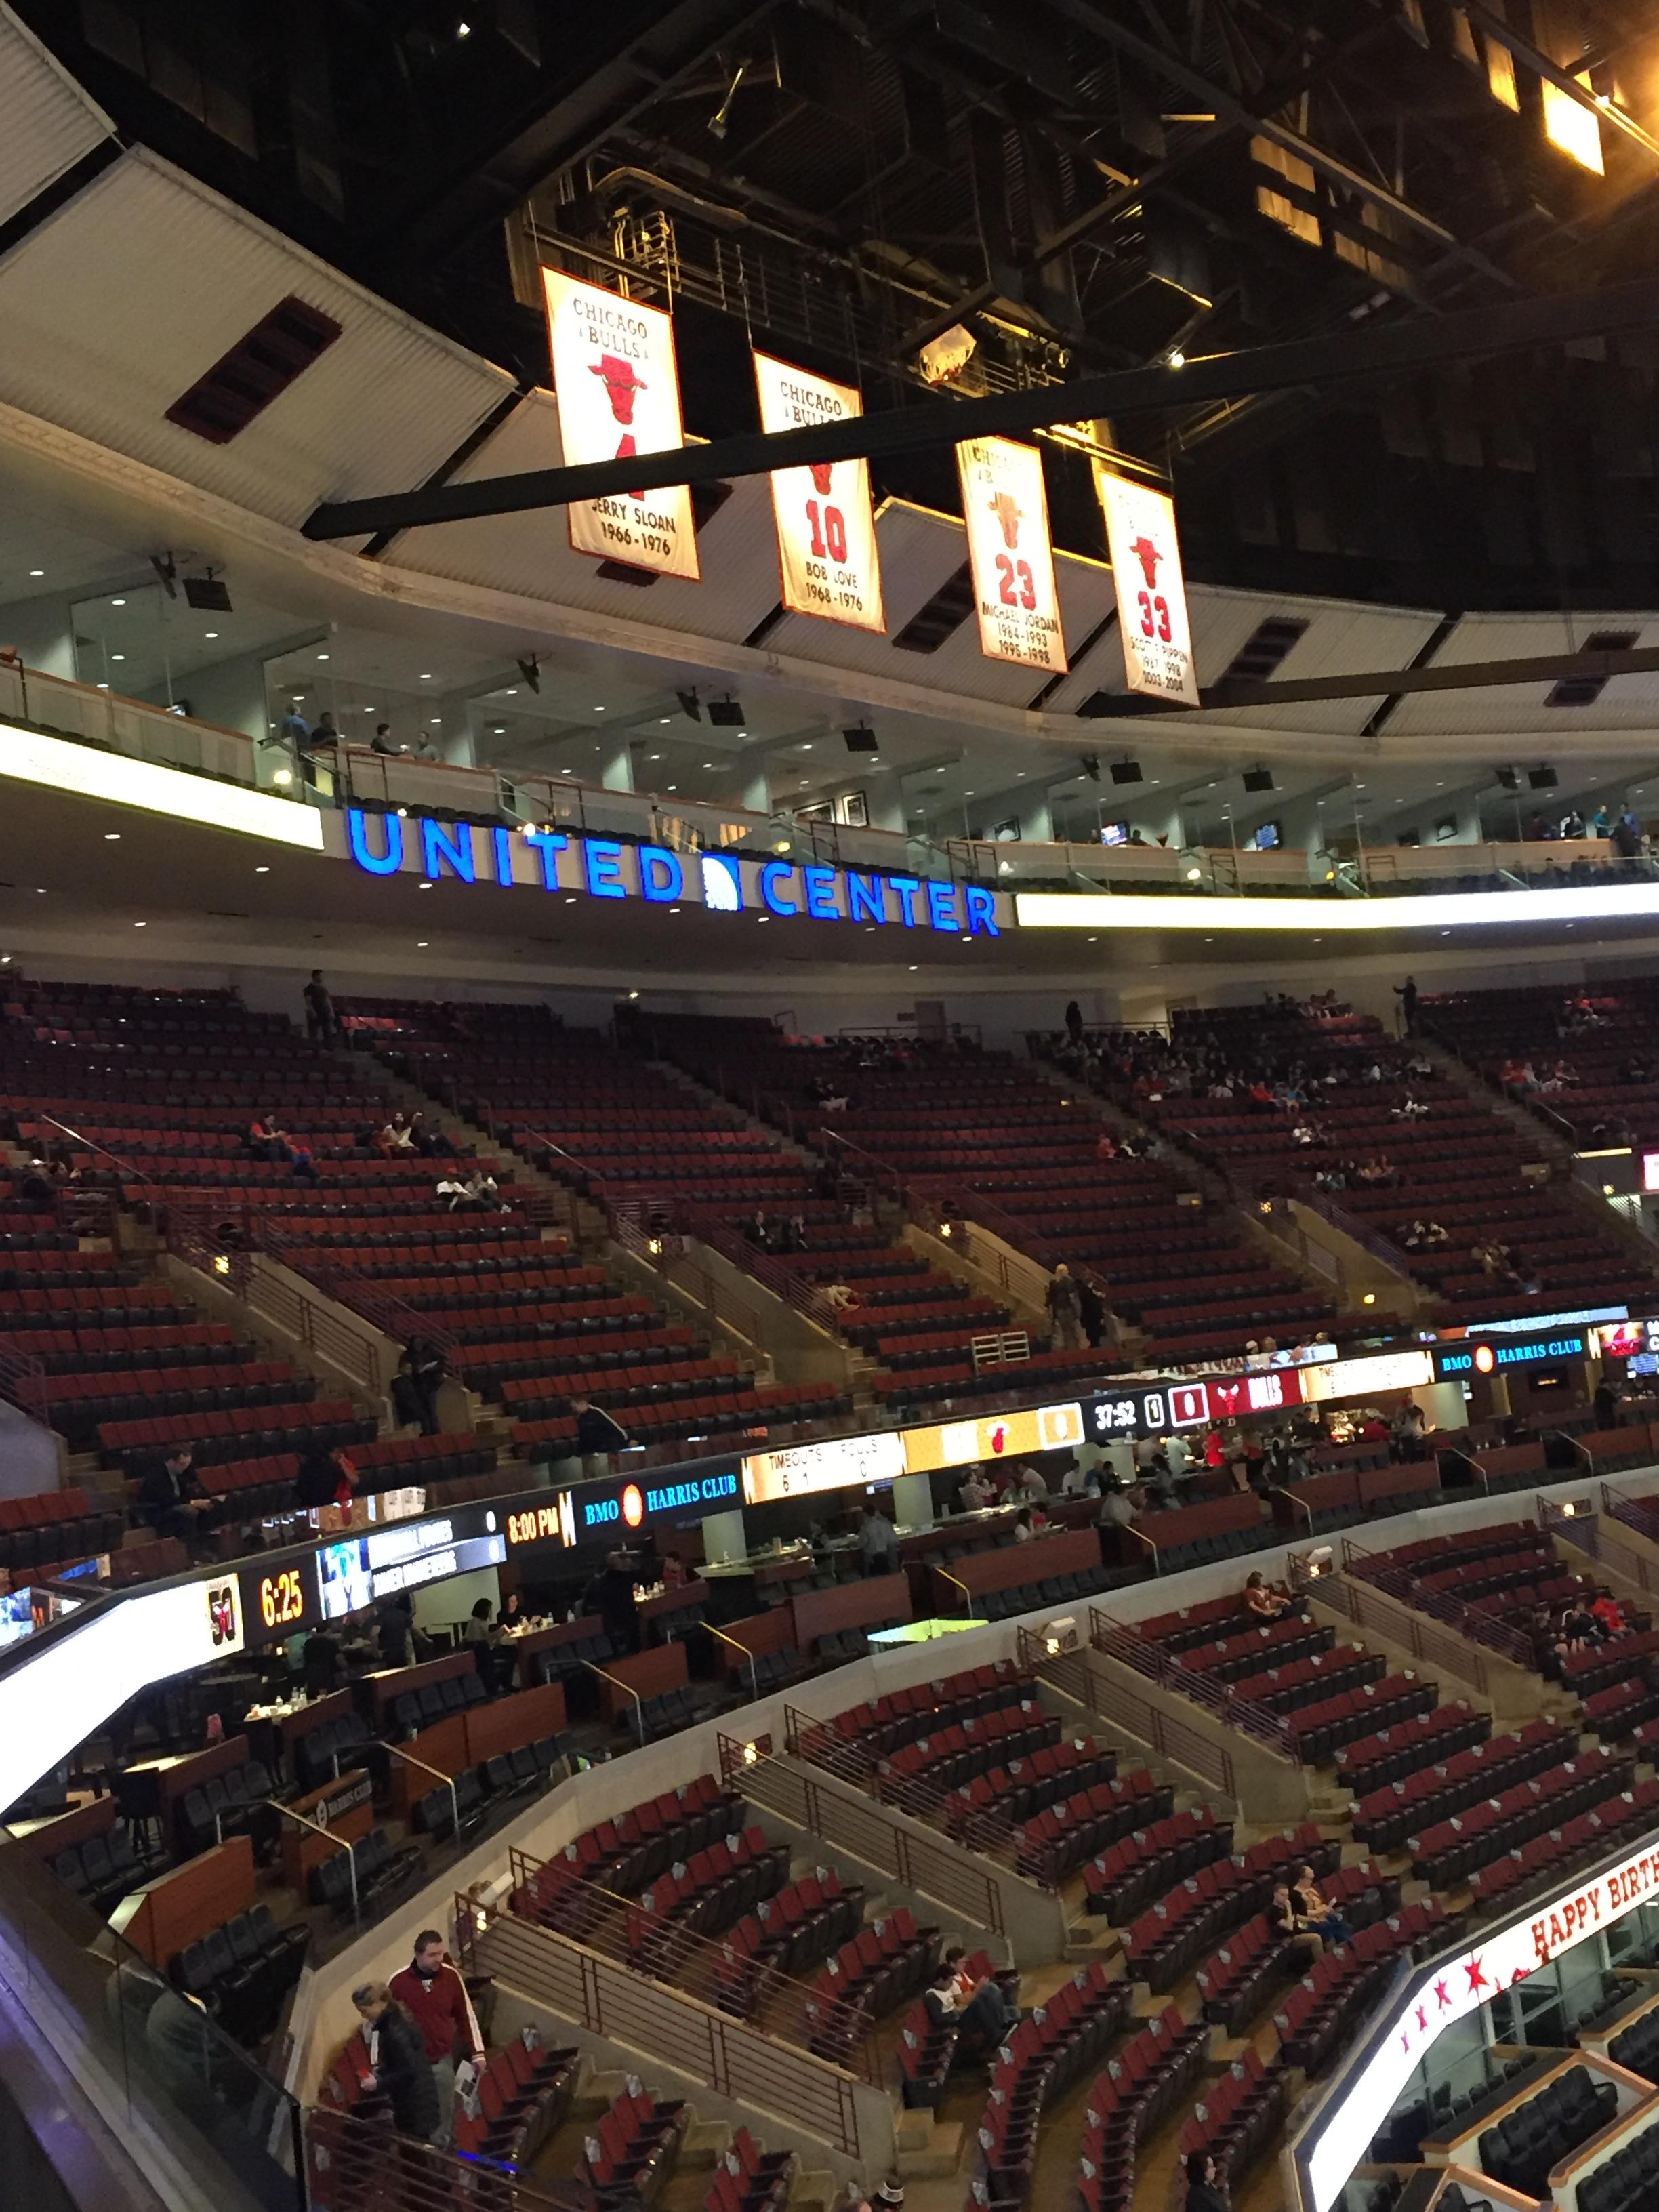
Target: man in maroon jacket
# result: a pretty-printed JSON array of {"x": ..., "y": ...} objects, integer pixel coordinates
[{"x": 433, "y": 1992}]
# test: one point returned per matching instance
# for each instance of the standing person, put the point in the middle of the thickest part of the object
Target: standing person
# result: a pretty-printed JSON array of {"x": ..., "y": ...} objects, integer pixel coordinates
[
  {"x": 1407, "y": 994},
  {"x": 1074, "y": 1022},
  {"x": 598, "y": 1436},
  {"x": 431, "y": 1990},
  {"x": 381, "y": 740},
  {"x": 320, "y": 1009},
  {"x": 1605, "y": 1402},
  {"x": 879, "y": 1543},
  {"x": 1065, "y": 1309},
  {"x": 1091, "y": 1312},
  {"x": 398, "y": 2067}
]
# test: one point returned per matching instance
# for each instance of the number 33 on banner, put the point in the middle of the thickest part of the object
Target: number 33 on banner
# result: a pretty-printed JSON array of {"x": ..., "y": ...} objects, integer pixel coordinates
[{"x": 826, "y": 525}]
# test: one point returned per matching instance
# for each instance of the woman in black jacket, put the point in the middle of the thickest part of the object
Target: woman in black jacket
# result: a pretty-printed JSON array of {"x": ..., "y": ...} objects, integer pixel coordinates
[
  {"x": 399, "y": 2067},
  {"x": 1203, "y": 2190}
]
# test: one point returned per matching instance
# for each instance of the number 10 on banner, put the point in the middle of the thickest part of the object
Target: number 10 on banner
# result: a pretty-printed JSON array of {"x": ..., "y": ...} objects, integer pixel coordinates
[{"x": 826, "y": 525}]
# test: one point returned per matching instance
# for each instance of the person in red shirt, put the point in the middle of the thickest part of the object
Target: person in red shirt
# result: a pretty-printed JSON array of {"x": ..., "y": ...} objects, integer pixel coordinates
[{"x": 431, "y": 1990}]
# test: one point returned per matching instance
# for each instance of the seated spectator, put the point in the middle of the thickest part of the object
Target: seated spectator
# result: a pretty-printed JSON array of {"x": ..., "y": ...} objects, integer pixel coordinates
[
  {"x": 1204, "y": 2190},
  {"x": 1607, "y": 1610},
  {"x": 841, "y": 1297},
  {"x": 171, "y": 1499},
  {"x": 325, "y": 1478},
  {"x": 1264, "y": 1600},
  {"x": 429, "y": 1143},
  {"x": 35, "y": 1187},
  {"x": 396, "y": 1136},
  {"x": 974, "y": 1493},
  {"x": 1028, "y": 1485},
  {"x": 1323, "y": 1919},
  {"x": 1025, "y": 1526},
  {"x": 1285, "y": 1920}
]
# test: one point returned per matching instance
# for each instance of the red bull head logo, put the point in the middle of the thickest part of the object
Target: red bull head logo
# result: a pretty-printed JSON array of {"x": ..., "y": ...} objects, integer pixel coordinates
[
  {"x": 620, "y": 384},
  {"x": 1149, "y": 557},
  {"x": 998, "y": 1439},
  {"x": 1007, "y": 513},
  {"x": 822, "y": 472}
]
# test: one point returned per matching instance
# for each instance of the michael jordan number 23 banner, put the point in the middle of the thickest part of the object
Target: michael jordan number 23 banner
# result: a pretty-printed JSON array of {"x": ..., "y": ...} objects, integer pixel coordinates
[
  {"x": 1006, "y": 512},
  {"x": 618, "y": 390},
  {"x": 1152, "y": 599},
  {"x": 826, "y": 526}
]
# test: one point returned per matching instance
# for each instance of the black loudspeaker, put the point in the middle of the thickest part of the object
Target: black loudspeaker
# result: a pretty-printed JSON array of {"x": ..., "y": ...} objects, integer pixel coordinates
[
  {"x": 862, "y": 740},
  {"x": 1509, "y": 777},
  {"x": 1125, "y": 771},
  {"x": 1258, "y": 779},
  {"x": 1542, "y": 779}
]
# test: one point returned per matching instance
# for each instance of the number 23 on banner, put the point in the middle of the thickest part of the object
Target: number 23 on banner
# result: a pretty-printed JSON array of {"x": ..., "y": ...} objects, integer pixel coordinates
[{"x": 826, "y": 526}]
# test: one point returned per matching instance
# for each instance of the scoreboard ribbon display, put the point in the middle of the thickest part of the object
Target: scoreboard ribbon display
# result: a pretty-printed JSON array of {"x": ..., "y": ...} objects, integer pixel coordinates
[
  {"x": 617, "y": 385},
  {"x": 826, "y": 525},
  {"x": 1005, "y": 510},
  {"x": 1151, "y": 593}
]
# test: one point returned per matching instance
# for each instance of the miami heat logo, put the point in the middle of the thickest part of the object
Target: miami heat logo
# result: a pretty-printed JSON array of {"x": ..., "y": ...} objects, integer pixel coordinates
[
  {"x": 1007, "y": 512},
  {"x": 621, "y": 383}
]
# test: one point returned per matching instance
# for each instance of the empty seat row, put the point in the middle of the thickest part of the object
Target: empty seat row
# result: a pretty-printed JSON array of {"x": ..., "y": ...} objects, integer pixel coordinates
[{"x": 242, "y": 1973}]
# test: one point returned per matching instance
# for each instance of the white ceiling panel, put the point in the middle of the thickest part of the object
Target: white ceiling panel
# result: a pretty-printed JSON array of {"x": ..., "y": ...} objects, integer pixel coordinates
[
  {"x": 116, "y": 305},
  {"x": 47, "y": 124},
  {"x": 1628, "y": 703},
  {"x": 531, "y": 553}
]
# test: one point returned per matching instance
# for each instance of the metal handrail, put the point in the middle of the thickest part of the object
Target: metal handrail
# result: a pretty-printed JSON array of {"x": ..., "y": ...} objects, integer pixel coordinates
[
  {"x": 754, "y": 1678},
  {"x": 340, "y": 1842},
  {"x": 448, "y": 1780},
  {"x": 628, "y": 1690}
]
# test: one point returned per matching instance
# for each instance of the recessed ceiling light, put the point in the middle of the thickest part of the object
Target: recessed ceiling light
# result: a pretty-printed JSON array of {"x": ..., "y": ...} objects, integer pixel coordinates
[
  {"x": 103, "y": 687},
  {"x": 498, "y": 731},
  {"x": 425, "y": 676},
  {"x": 40, "y": 891},
  {"x": 118, "y": 602},
  {"x": 426, "y": 886},
  {"x": 674, "y": 909},
  {"x": 600, "y": 710},
  {"x": 708, "y": 763},
  {"x": 567, "y": 771},
  {"x": 967, "y": 794},
  {"x": 140, "y": 925},
  {"x": 112, "y": 837},
  {"x": 421, "y": 943},
  {"x": 37, "y": 572},
  {"x": 512, "y": 691},
  {"x": 322, "y": 656},
  {"x": 664, "y": 720},
  {"x": 913, "y": 967},
  {"x": 658, "y": 756},
  {"x": 263, "y": 868},
  {"x": 571, "y": 901},
  {"x": 437, "y": 722},
  {"x": 209, "y": 633},
  {"x": 674, "y": 787},
  {"x": 118, "y": 656},
  {"x": 762, "y": 917},
  {"x": 806, "y": 748}
]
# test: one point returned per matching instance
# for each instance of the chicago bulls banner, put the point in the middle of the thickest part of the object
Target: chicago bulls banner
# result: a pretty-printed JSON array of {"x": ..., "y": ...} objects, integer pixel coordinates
[
  {"x": 1006, "y": 512},
  {"x": 618, "y": 390},
  {"x": 1152, "y": 598},
  {"x": 826, "y": 525}
]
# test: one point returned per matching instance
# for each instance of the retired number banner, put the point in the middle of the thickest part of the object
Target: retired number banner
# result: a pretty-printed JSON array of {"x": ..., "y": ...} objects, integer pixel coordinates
[
  {"x": 618, "y": 390},
  {"x": 1006, "y": 512},
  {"x": 826, "y": 525},
  {"x": 1152, "y": 598}
]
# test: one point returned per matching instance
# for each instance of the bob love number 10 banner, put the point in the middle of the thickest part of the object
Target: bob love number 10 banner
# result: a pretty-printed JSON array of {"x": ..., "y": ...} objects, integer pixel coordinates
[{"x": 825, "y": 522}]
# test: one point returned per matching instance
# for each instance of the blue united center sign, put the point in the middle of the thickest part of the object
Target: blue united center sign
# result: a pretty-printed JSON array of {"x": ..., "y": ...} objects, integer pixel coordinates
[{"x": 387, "y": 845}]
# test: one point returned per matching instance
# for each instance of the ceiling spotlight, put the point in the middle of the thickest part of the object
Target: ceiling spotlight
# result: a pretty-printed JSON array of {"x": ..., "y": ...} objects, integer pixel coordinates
[
  {"x": 263, "y": 868},
  {"x": 283, "y": 777},
  {"x": 720, "y": 121},
  {"x": 690, "y": 705},
  {"x": 531, "y": 669},
  {"x": 1177, "y": 359},
  {"x": 112, "y": 837},
  {"x": 37, "y": 572},
  {"x": 725, "y": 714},
  {"x": 118, "y": 602}
]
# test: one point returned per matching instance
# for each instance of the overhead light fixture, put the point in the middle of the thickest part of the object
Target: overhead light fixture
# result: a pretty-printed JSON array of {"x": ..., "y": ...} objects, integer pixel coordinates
[
  {"x": 37, "y": 572},
  {"x": 118, "y": 602},
  {"x": 283, "y": 777},
  {"x": 531, "y": 669},
  {"x": 1572, "y": 128},
  {"x": 1125, "y": 771},
  {"x": 725, "y": 714},
  {"x": 943, "y": 359}
]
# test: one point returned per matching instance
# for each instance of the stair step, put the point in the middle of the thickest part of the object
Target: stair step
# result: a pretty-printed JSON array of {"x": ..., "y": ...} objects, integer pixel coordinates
[{"x": 931, "y": 2151}]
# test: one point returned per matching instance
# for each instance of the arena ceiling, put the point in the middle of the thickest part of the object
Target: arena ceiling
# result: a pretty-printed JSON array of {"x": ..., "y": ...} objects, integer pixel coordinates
[{"x": 1081, "y": 185}]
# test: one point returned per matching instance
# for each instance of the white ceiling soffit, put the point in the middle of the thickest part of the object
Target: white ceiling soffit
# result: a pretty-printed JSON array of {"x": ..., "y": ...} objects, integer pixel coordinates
[
  {"x": 47, "y": 122},
  {"x": 531, "y": 554},
  {"x": 121, "y": 301},
  {"x": 1628, "y": 703}
]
